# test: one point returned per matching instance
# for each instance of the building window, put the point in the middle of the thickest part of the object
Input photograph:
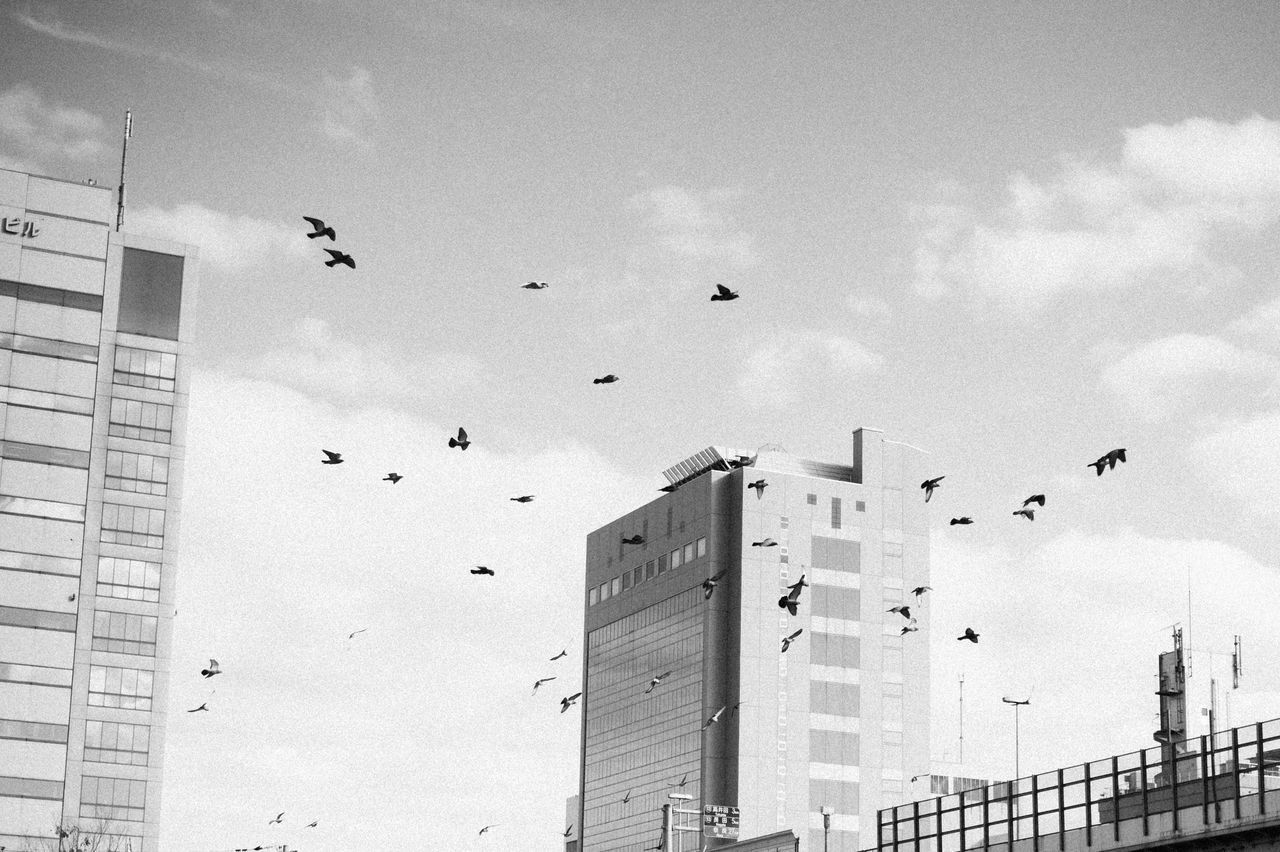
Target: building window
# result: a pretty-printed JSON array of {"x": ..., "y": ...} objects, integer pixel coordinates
[
  {"x": 669, "y": 520},
  {"x": 859, "y": 506},
  {"x": 835, "y": 513},
  {"x": 131, "y": 579},
  {"x": 637, "y": 575},
  {"x": 124, "y": 633},
  {"x": 134, "y": 525},
  {"x": 604, "y": 592},
  {"x": 137, "y": 472},
  {"x": 128, "y": 689},
  {"x": 144, "y": 421},
  {"x": 702, "y": 547},
  {"x": 142, "y": 368},
  {"x": 675, "y": 559},
  {"x": 811, "y": 499},
  {"x": 593, "y": 596},
  {"x": 112, "y": 798},
  {"x": 617, "y": 586},
  {"x": 150, "y": 293},
  {"x": 649, "y": 572},
  {"x": 688, "y": 552},
  {"x": 662, "y": 563},
  {"x": 116, "y": 742},
  {"x": 626, "y": 581},
  {"x": 892, "y": 659}
]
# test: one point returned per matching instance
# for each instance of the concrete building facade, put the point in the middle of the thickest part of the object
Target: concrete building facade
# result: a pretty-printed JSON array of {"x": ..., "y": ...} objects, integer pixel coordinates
[
  {"x": 93, "y": 399},
  {"x": 832, "y": 722}
]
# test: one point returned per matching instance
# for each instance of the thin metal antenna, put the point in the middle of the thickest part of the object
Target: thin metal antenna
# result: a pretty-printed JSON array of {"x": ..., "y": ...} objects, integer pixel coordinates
[
  {"x": 962, "y": 719},
  {"x": 1187, "y": 664},
  {"x": 124, "y": 155},
  {"x": 1237, "y": 663}
]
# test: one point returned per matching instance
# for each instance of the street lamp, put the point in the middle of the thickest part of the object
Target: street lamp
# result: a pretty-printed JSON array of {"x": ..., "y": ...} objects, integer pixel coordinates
[
  {"x": 827, "y": 811},
  {"x": 1017, "y": 772}
]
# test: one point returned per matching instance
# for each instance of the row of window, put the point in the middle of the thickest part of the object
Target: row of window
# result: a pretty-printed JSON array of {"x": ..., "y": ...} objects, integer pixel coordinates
[
  {"x": 623, "y": 630},
  {"x": 136, "y": 525},
  {"x": 116, "y": 742},
  {"x": 48, "y": 348},
  {"x": 131, "y": 579},
  {"x": 143, "y": 368},
  {"x": 112, "y": 798},
  {"x": 124, "y": 633},
  {"x": 128, "y": 689},
  {"x": 36, "y": 732},
  {"x": 51, "y": 296},
  {"x": 858, "y": 506},
  {"x": 143, "y": 421},
  {"x": 647, "y": 571},
  {"x": 137, "y": 472}
]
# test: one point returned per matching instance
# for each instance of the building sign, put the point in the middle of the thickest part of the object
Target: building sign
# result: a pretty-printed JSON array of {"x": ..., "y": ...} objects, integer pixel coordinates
[
  {"x": 720, "y": 821},
  {"x": 18, "y": 227}
]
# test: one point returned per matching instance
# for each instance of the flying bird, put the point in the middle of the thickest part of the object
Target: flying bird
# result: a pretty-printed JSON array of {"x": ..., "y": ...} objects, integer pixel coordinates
[
  {"x": 684, "y": 780},
  {"x": 605, "y": 380},
  {"x": 767, "y": 542},
  {"x": 339, "y": 257},
  {"x": 714, "y": 717},
  {"x": 198, "y": 709},
  {"x": 1029, "y": 514},
  {"x": 791, "y": 600},
  {"x": 633, "y": 539},
  {"x": 920, "y": 590},
  {"x": 563, "y": 653},
  {"x": 903, "y": 610},
  {"x": 333, "y": 458},
  {"x": 786, "y": 642},
  {"x": 568, "y": 830},
  {"x": 538, "y": 683},
  {"x": 278, "y": 820},
  {"x": 709, "y": 584},
  {"x": 1034, "y": 498},
  {"x": 535, "y": 285},
  {"x": 723, "y": 294},
  {"x": 1108, "y": 461},
  {"x": 759, "y": 485},
  {"x": 653, "y": 684},
  {"x": 910, "y": 628},
  {"x": 321, "y": 229},
  {"x": 965, "y": 520},
  {"x": 481, "y": 570},
  {"x": 525, "y": 498},
  {"x": 393, "y": 478},
  {"x": 970, "y": 635},
  {"x": 212, "y": 670},
  {"x": 461, "y": 441},
  {"x": 928, "y": 485},
  {"x": 353, "y": 633},
  {"x": 487, "y": 827},
  {"x": 626, "y": 798},
  {"x": 566, "y": 703},
  {"x": 313, "y": 824}
]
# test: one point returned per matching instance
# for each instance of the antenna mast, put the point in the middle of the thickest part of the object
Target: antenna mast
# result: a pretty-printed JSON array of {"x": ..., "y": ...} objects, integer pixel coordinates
[
  {"x": 124, "y": 154},
  {"x": 962, "y": 719}
]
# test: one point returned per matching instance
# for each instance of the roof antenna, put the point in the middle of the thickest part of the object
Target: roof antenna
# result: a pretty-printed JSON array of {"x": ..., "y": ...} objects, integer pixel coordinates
[{"x": 124, "y": 153}]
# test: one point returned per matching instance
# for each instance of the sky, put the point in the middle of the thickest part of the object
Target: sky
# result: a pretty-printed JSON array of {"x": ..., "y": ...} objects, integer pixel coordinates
[{"x": 1015, "y": 235}]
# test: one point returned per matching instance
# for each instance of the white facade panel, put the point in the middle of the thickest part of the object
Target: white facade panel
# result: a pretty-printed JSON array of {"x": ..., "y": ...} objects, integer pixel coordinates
[
  {"x": 44, "y": 761},
  {"x": 37, "y": 591},
  {"x": 26, "y": 702},
  {"x": 37, "y": 647},
  {"x": 64, "y": 271}
]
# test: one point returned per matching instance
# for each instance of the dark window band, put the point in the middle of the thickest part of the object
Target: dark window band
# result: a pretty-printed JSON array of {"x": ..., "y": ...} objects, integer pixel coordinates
[
  {"x": 51, "y": 296},
  {"x": 36, "y": 732},
  {"x": 49, "y": 348},
  {"x": 38, "y": 619},
  {"x": 44, "y": 455},
  {"x": 30, "y": 788}
]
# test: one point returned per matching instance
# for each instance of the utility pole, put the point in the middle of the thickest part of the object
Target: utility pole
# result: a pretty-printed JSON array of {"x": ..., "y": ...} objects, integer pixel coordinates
[
  {"x": 962, "y": 719},
  {"x": 827, "y": 810},
  {"x": 124, "y": 154},
  {"x": 1017, "y": 770}
]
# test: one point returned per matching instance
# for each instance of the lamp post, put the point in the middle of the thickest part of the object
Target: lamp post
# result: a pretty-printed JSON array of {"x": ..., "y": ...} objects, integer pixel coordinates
[
  {"x": 1017, "y": 769},
  {"x": 827, "y": 811},
  {"x": 674, "y": 841}
]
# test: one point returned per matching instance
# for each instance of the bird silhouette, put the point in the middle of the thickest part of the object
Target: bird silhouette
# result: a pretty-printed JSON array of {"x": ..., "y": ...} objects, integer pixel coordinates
[
  {"x": 461, "y": 441},
  {"x": 339, "y": 257},
  {"x": 928, "y": 485},
  {"x": 633, "y": 539},
  {"x": 568, "y": 831},
  {"x": 903, "y": 610},
  {"x": 920, "y": 590},
  {"x": 198, "y": 709},
  {"x": 786, "y": 642},
  {"x": 759, "y": 485},
  {"x": 909, "y": 628},
  {"x": 313, "y": 824},
  {"x": 653, "y": 684},
  {"x": 540, "y": 682},
  {"x": 714, "y": 717},
  {"x": 566, "y": 703},
  {"x": 723, "y": 294},
  {"x": 212, "y": 670},
  {"x": 393, "y": 478},
  {"x": 1029, "y": 514},
  {"x": 482, "y": 570},
  {"x": 535, "y": 285},
  {"x": 709, "y": 584},
  {"x": 605, "y": 380},
  {"x": 524, "y": 498},
  {"x": 965, "y": 520},
  {"x": 1108, "y": 461},
  {"x": 333, "y": 458},
  {"x": 563, "y": 653},
  {"x": 71, "y": 596},
  {"x": 970, "y": 635},
  {"x": 321, "y": 229},
  {"x": 278, "y": 820},
  {"x": 626, "y": 798},
  {"x": 791, "y": 601},
  {"x": 487, "y": 827},
  {"x": 766, "y": 542},
  {"x": 683, "y": 780},
  {"x": 1034, "y": 498},
  {"x": 353, "y": 633}
]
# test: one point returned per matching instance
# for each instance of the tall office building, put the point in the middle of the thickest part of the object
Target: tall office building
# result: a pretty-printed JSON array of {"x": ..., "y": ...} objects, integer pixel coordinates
[
  {"x": 93, "y": 390},
  {"x": 832, "y": 722}
]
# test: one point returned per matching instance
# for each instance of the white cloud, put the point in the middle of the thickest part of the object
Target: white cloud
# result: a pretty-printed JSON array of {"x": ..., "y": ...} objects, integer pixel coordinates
[
  {"x": 33, "y": 128},
  {"x": 694, "y": 225},
  {"x": 349, "y": 107},
  {"x": 1261, "y": 324},
  {"x": 1242, "y": 458},
  {"x": 775, "y": 373},
  {"x": 319, "y": 364},
  {"x": 1156, "y": 377},
  {"x": 229, "y": 242},
  {"x": 1097, "y": 226}
]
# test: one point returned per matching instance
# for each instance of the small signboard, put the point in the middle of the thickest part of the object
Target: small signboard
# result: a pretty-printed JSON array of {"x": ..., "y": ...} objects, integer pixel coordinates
[{"x": 720, "y": 821}]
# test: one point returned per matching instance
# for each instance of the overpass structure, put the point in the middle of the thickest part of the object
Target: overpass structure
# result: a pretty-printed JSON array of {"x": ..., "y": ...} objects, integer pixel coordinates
[{"x": 1219, "y": 792}]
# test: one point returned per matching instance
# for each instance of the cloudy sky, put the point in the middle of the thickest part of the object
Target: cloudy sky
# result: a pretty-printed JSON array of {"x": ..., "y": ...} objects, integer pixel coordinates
[{"x": 1015, "y": 235}]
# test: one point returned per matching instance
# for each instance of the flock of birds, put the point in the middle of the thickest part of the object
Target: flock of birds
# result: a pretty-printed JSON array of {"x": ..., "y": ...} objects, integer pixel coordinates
[{"x": 790, "y": 602}]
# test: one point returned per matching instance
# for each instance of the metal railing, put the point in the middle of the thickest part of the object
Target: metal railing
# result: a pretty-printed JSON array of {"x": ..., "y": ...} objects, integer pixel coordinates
[{"x": 1211, "y": 775}]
